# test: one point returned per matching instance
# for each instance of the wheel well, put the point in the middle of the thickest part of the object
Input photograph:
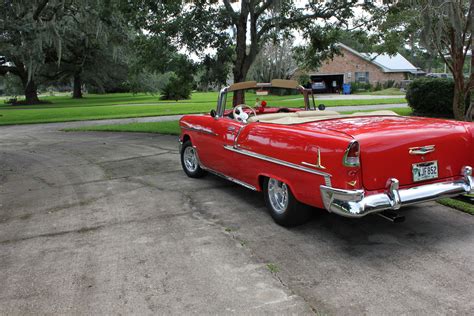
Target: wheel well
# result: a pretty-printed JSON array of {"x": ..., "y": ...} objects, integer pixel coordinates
[
  {"x": 186, "y": 138},
  {"x": 261, "y": 178}
]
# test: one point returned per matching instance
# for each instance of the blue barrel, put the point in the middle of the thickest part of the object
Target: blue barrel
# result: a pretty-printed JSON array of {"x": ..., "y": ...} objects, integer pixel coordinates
[{"x": 346, "y": 88}]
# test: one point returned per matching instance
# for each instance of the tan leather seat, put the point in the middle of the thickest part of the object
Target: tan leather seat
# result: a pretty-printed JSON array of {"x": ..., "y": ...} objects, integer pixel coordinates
[
  {"x": 316, "y": 113},
  {"x": 311, "y": 116},
  {"x": 270, "y": 117}
]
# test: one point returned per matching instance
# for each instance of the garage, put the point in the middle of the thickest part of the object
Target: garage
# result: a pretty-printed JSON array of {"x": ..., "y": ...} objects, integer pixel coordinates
[{"x": 327, "y": 83}]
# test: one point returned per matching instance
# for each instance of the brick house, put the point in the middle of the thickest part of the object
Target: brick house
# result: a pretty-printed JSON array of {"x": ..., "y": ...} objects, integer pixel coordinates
[{"x": 352, "y": 66}]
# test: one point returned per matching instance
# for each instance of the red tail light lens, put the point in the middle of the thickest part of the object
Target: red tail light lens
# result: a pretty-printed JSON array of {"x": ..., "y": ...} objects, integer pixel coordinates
[{"x": 352, "y": 154}]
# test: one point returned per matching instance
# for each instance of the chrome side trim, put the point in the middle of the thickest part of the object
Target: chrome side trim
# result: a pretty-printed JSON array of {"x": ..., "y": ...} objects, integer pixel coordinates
[
  {"x": 237, "y": 136},
  {"x": 276, "y": 161},
  {"x": 355, "y": 203},
  {"x": 199, "y": 130},
  {"x": 318, "y": 163},
  {"x": 246, "y": 185}
]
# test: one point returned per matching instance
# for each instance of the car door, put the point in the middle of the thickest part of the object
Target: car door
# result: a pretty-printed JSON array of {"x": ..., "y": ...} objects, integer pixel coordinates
[{"x": 210, "y": 144}]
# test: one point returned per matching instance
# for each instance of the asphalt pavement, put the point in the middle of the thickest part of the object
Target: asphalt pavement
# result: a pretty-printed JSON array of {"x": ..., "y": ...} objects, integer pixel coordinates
[{"x": 107, "y": 223}]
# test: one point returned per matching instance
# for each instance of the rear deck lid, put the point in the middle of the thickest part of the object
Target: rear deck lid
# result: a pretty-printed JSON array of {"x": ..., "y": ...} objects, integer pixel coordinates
[{"x": 414, "y": 150}]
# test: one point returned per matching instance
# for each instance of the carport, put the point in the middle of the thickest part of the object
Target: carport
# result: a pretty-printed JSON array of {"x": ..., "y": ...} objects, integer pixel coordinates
[{"x": 333, "y": 81}]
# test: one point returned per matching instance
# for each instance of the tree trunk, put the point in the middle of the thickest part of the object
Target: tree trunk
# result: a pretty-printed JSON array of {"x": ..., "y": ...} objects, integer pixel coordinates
[
  {"x": 31, "y": 92},
  {"x": 459, "y": 100},
  {"x": 77, "y": 89},
  {"x": 239, "y": 95}
]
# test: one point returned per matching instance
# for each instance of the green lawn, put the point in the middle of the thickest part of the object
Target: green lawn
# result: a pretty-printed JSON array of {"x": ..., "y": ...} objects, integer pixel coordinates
[
  {"x": 169, "y": 127},
  {"x": 123, "y": 105},
  {"x": 459, "y": 205},
  {"x": 389, "y": 91}
]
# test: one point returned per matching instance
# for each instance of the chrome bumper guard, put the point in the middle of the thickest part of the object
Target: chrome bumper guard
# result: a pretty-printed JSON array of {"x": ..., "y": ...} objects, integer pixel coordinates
[{"x": 354, "y": 203}]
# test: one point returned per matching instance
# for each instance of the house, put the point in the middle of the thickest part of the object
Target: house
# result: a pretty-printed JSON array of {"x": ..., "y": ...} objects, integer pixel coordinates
[{"x": 353, "y": 66}]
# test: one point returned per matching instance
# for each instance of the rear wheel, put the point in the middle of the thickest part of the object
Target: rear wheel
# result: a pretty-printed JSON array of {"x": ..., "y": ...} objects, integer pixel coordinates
[
  {"x": 190, "y": 161},
  {"x": 284, "y": 208}
]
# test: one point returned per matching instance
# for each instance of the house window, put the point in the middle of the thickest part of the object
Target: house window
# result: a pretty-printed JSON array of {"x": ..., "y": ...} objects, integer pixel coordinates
[{"x": 362, "y": 77}]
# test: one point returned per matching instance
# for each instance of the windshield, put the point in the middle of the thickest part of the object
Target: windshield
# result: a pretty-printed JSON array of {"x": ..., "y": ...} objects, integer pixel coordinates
[{"x": 270, "y": 99}]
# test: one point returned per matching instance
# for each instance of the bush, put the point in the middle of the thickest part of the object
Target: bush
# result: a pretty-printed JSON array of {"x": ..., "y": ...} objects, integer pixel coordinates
[
  {"x": 389, "y": 84},
  {"x": 360, "y": 86},
  {"x": 378, "y": 86},
  {"x": 431, "y": 97},
  {"x": 176, "y": 89}
]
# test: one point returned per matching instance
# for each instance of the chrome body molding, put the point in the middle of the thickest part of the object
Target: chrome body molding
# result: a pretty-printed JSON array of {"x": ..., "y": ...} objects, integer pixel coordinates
[
  {"x": 276, "y": 161},
  {"x": 354, "y": 203},
  {"x": 246, "y": 185},
  {"x": 317, "y": 164},
  {"x": 199, "y": 130}
]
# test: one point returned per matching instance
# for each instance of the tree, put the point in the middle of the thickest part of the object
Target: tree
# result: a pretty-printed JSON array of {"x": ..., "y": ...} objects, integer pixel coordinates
[
  {"x": 441, "y": 27},
  {"x": 93, "y": 49},
  {"x": 448, "y": 28},
  {"x": 275, "y": 61},
  {"x": 27, "y": 28},
  {"x": 58, "y": 39},
  {"x": 245, "y": 25}
]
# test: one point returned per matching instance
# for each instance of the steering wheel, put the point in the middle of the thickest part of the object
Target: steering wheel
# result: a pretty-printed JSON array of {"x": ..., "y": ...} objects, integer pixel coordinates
[{"x": 239, "y": 113}]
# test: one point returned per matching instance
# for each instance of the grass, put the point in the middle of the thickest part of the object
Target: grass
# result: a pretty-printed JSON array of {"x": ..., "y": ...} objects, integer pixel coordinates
[
  {"x": 389, "y": 91},
  {"x": 273, "y": 268},
  {"x": 458, "y": 205},
  {"x": 126, "y": 105},
  {"x": 169, "y": 127}
]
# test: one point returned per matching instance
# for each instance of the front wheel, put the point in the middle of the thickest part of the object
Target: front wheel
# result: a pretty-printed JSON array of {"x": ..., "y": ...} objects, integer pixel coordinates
[
  {"x": 190, "y": 161},
  {"x": 284, "y": 208}
]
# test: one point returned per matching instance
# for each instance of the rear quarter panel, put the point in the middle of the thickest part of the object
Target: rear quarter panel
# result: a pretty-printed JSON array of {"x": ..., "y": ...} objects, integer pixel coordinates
[{"x": 294, "y": 144}]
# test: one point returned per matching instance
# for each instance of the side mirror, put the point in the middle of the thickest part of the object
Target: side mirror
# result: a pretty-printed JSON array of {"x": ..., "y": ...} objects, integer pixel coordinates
[
  {"x": 321, "y": 107},
  {"x": 213, "y": 113}
]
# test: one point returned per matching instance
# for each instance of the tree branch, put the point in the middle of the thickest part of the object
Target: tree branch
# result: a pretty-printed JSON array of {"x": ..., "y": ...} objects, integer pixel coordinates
[
  {"x": 264, "y": 6},
  {"x": 231, "y": 11},
  {"x": 40, "y": 9}
]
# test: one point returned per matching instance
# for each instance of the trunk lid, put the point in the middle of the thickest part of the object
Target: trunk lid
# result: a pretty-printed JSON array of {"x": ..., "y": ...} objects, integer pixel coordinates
[{"x": 385, "y": 143}]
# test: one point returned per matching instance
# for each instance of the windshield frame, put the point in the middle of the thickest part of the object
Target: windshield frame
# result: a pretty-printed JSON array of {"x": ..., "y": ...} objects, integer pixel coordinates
[{"x": 276, "y": 83}]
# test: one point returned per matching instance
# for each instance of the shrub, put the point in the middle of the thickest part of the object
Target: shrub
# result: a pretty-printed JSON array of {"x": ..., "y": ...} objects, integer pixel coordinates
[
  {"x": 389, "y": 84},
  {"x": 431, "y": 97},
  {"x": 378, "y": 86},
  {"x": 360, "y": 86},
  {"x": 176, "y": 89}
]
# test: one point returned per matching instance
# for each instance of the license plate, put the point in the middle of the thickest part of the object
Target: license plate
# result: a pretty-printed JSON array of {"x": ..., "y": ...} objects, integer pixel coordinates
[{"x": 425, "y": 171}]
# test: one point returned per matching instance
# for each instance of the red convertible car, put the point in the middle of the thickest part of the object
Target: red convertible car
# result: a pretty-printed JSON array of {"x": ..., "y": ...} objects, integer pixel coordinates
[{"x": 270, "y": 137}]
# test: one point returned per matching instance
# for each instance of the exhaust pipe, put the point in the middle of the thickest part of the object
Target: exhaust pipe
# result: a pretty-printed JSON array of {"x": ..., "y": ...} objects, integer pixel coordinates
[{"x": 392, "y": 216}]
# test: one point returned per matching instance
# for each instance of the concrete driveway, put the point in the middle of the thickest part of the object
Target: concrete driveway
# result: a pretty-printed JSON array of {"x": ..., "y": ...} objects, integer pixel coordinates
[{"x": 101, "y": 223}]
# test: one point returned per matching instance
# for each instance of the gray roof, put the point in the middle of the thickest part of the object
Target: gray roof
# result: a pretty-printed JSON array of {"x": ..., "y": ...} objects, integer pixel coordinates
[{"x": 388, "y": 63}]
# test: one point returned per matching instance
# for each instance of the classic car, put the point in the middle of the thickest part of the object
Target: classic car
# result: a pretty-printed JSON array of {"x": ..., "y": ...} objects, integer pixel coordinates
[{"x": 303, "y": 157}]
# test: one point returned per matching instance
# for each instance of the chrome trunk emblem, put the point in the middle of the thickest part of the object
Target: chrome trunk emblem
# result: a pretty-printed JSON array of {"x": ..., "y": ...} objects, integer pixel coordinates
[{"x": 421, "y": 150}]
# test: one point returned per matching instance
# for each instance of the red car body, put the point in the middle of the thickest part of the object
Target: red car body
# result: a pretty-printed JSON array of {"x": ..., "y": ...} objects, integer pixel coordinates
[{"x": 352, "y": 165}]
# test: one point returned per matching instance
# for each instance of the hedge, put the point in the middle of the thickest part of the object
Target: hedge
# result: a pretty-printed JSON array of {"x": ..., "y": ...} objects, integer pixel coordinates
[{"x": 431, "y": 97}]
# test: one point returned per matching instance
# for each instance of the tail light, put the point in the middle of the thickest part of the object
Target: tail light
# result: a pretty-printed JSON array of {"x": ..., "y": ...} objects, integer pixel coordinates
[{"x": 352, "y": 154}]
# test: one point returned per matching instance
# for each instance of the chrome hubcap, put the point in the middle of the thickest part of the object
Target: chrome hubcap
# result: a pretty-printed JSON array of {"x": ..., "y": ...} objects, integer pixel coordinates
[
  {"x": 190, "y": 159},
  {"x": 278, "y": 195}
]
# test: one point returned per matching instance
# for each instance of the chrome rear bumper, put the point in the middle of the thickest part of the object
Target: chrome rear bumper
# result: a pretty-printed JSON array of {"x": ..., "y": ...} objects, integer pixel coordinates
[{"x": 354, "y": 203}]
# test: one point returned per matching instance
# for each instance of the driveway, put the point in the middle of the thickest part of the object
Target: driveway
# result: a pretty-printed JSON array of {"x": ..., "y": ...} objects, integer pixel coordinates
[{"x": 102, "y": 223}]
